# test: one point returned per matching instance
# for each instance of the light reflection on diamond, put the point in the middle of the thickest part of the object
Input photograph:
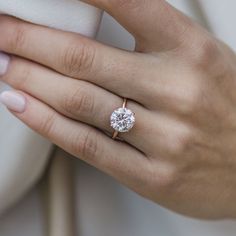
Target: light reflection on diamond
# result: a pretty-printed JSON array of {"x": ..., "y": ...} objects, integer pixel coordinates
[{"x": 122, "y": 120}]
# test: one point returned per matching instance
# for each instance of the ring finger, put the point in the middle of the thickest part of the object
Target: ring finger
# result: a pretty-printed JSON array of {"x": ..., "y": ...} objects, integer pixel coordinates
[{"x": 76, "y": 99}]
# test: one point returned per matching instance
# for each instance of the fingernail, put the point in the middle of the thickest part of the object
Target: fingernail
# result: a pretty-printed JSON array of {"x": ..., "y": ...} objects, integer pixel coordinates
[
  {"x": 4, "y": 62},
  {"x": 13, "y": 101}
]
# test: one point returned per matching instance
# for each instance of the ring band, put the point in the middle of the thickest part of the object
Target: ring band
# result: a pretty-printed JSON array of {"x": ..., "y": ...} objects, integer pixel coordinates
[{"x": 122, "y": 120}]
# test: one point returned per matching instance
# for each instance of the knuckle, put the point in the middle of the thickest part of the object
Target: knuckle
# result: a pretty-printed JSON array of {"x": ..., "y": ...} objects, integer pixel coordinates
[
  {"x": 87, "y": 145},
  {"x": 205, "y": 52},
  {"x": 80, "y": 101},
  {"x": 163, "y": 176},
  {"x": 18, "y": 39},
  {"x": 186, "y": 95},
  {"x": 188, "y": 107},
  {"x": 191, "y": 102},
  {"x": 46, "y": 126},
  {"x": 78, "y": 58},
  {"x": 180, "y": 140},
  {"x": 25, "y": 74},
  {"x": 23, "y": 71},
  {"x": 168, "y": 178}
]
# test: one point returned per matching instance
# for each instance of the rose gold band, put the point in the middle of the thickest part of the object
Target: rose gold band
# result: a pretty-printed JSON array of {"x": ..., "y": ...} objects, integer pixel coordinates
[{"x": 116, "y": 133}]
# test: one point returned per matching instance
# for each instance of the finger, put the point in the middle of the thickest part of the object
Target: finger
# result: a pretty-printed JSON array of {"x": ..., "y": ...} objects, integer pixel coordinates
[
  {"x": 75, "y": 56},
  {"x": 90, "y": 104},
  {"x": 75, "y": 99},
  {"x": 155, "y": 24},
  {"x": 90, "y": 145}
]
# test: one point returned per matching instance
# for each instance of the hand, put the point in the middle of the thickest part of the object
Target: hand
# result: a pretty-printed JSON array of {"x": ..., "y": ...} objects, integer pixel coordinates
[{"x": 180, "y": 82}]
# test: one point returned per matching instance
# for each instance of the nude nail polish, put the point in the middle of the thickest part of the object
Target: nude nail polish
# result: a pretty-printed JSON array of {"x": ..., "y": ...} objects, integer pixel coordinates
[
  {"x": 4, "y": 62},
  {"x": 13, "y": 101}
]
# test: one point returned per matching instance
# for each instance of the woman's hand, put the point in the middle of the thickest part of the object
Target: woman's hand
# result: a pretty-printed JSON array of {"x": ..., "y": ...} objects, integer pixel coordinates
[{"x": 180, "y": 82}]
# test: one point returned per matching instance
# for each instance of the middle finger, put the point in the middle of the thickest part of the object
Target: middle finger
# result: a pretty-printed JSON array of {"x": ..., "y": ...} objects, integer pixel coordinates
[{"x": 76, "y": 56}]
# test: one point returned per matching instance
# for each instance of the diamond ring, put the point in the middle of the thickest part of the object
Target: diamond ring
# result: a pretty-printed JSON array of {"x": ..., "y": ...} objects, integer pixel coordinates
[{"x": 122, "y": 120}]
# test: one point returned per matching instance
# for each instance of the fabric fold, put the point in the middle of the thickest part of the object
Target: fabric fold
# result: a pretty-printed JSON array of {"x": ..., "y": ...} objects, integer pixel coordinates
[{"x": 68, "y": 15}]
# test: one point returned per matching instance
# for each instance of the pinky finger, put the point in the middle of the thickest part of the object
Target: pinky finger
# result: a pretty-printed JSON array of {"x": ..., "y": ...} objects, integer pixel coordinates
[{"x": 87, "y": 143}]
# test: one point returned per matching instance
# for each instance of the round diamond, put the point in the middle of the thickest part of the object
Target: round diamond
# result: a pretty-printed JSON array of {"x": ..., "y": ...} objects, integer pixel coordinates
[{"x": 122, "y": 120}]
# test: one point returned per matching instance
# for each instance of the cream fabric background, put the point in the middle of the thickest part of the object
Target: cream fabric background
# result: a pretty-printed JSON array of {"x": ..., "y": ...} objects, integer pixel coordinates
[
  {"x": 106, "y": 208},
  {"x": 24, "y": 154}
]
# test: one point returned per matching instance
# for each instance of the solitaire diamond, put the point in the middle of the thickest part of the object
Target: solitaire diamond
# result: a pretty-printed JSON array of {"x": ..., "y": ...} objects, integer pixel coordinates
[{"x": 122, "y": 120}]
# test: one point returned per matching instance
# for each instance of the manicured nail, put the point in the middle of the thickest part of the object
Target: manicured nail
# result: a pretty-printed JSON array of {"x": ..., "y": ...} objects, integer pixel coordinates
[
  {"x": 13, "y": 101},
  {"x": 4, "y": 62}
]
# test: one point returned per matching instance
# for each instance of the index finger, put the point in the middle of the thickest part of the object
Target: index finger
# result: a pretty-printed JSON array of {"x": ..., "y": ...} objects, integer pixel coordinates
[{"x": 154, "y": 23}]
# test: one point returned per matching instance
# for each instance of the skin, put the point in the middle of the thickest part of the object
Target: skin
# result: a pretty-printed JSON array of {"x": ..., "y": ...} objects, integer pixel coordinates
[{"x": 180, "y": 82}]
